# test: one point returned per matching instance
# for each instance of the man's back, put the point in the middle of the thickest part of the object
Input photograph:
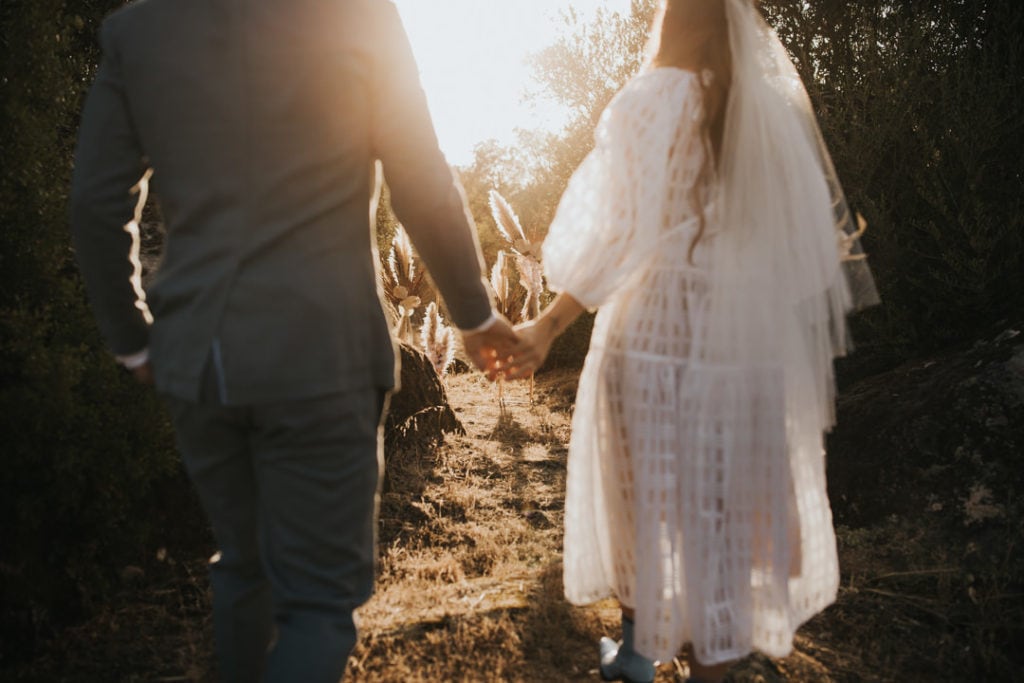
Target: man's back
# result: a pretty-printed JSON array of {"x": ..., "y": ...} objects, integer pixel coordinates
[{"x": 262, "y": 120}]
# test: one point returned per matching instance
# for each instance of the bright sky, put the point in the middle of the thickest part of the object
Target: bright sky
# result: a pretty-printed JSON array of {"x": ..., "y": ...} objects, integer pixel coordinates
[{"x": 472, "y": 59}]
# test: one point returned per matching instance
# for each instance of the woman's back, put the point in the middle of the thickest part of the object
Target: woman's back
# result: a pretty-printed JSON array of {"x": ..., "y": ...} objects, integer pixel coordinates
[{"x": 704, "y": 225}]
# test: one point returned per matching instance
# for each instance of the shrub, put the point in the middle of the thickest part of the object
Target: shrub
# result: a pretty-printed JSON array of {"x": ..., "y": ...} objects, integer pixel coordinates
[
  {"x": 919, "y": 105},
  {"x": 85, "y": 449}
]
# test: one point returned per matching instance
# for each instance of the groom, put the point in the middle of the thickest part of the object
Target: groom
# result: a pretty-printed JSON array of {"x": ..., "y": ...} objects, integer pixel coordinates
[{"x": 262, "y": 121}]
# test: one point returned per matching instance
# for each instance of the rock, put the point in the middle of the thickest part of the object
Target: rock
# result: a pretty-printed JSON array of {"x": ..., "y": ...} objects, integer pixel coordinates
[
  {"x": 132, "y": 574},
  {"x": 419, "y": 414},
  {"x": 926, "y": 480},
  {"x": 931, "y": 431}
]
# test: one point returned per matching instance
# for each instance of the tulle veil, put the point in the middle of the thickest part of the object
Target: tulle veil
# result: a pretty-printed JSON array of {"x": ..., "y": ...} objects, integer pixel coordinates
[
  {"x": 786, "y": 263},
  {"x": 785, "y": 268},
  {"x": 748, "y": 551}
]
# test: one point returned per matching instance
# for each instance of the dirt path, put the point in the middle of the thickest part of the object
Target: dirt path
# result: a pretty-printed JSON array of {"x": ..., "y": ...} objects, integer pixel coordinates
[
  {"x": 470, "y": 580},
  {"x": 471, "y": 585}
]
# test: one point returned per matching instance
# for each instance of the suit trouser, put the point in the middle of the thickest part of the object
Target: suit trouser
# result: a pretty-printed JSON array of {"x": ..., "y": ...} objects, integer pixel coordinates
[{"x": 290, "y": 490}]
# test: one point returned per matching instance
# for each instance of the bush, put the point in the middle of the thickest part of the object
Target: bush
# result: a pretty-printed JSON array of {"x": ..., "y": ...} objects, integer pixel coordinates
[{"x": 85, "y": 449}]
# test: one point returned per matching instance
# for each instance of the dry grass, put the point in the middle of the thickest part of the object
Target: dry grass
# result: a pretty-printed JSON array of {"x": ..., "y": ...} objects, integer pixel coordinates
[
  {"x": 470, "y": 577},
  {"x": 470, "y": 585}
]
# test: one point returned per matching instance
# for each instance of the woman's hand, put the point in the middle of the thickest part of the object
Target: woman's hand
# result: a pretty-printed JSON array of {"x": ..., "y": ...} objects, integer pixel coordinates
[
  {"x": 490, "y": 348},
  {"x": 535, "y": 338}
]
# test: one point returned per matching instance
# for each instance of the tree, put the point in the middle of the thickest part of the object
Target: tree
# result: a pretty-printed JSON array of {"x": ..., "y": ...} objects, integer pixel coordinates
[
  {"x": 582, "y": 71},
  {"x": 919, "y": 104}
]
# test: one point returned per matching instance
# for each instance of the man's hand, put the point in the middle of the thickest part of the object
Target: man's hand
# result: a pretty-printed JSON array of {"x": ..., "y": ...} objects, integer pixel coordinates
[
  {"x": 490, "y": 348},
  {"x": 138, "y": 364},
  {"x": 143, "y": 374}
]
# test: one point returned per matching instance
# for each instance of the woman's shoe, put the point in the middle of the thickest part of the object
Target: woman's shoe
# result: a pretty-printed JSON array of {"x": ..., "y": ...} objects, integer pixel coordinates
[{"x": 619, "y": 662}]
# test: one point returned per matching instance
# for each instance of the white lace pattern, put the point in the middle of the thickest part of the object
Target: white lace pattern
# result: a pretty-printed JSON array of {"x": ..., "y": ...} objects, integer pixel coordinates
[{"x": 694, "y": 505}]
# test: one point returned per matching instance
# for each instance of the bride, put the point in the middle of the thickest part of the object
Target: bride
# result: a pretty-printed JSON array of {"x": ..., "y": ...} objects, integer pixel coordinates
[{"x": 708, "y": 227}]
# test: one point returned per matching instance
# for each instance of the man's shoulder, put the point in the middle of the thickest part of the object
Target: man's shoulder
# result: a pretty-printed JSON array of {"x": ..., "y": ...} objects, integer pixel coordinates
[
  {"x": 137, "y": 9},
  {"x": 374, "y": 22}
]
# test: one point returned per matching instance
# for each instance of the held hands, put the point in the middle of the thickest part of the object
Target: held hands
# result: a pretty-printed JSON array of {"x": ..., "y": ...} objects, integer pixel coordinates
[
  {"x": 500, "y": 351},
  {"x": 536, "y": 336},
  {"x": 491, "y": 347}
]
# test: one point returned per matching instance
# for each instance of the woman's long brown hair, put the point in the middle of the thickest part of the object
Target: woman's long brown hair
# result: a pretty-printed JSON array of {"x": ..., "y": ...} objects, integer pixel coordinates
[{"x": 694, "y": 35}]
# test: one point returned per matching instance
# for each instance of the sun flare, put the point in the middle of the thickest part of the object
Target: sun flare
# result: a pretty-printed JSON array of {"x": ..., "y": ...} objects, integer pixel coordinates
[{"x": 472, "y": 56}]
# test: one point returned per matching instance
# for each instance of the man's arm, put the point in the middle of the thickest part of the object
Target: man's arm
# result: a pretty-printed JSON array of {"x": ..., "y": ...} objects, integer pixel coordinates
[
  {"x": 424, "y": 193},
  {"x": 108, "y": 164}
]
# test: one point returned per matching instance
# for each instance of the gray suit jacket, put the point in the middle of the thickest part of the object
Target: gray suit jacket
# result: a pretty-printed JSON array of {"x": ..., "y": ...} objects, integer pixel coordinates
[{"x": 262, "y": 121}]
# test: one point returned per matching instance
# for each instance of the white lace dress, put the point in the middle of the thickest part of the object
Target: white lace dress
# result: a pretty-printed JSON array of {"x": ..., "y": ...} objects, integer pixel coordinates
[{"x": 730, "y": 548}]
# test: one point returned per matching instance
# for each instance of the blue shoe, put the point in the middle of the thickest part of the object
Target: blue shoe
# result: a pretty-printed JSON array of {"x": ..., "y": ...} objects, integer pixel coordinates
[{"x": 619, "y": 662}]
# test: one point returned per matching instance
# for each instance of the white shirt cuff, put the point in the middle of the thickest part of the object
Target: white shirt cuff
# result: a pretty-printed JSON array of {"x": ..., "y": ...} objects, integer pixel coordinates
[
  {"x": 491, "y": 319},
  {"x": 134, "y": 360}
]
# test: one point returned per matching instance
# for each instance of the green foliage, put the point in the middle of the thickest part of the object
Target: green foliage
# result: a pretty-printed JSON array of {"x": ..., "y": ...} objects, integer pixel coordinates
[
  {"x": 919, "y": 103},
  {"x": 583, "y": 70},
  {"x": 587, "y": 66},
  {"x": 84, "y": 447}
]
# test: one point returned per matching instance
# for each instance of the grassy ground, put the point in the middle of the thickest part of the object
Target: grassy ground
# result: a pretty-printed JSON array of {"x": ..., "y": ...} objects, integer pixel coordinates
[{"x": 470, "y": 581}]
